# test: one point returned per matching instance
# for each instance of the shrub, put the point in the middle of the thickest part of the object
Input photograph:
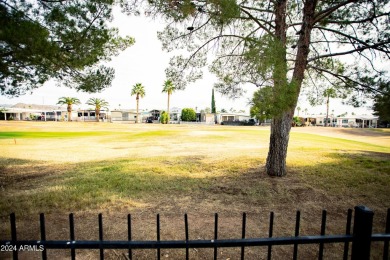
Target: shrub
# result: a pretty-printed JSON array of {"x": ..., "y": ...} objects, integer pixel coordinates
[
  {"x": 188, "y": 114},
  {"x": 164, "y": 117},
  {"x": 297, "y": 121}
]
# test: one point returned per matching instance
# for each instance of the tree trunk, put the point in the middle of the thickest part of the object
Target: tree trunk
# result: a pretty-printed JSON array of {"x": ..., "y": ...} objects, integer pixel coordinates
[
  {"x": 168, "y": 107},
  {"x": 136, "y": 120},
  {"x": 69, "y": 113},
  {"x": 97, "y": 114},
  {"x": 277, "y": 153},
  {"x": 281, "y": 124}
]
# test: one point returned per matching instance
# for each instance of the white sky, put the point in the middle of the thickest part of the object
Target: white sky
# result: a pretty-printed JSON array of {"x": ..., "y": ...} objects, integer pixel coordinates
[{"x": 145, "y": 63}]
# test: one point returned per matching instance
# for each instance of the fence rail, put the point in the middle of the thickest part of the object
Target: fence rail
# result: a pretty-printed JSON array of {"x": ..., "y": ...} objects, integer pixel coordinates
[{"x": 360, "y": 239}]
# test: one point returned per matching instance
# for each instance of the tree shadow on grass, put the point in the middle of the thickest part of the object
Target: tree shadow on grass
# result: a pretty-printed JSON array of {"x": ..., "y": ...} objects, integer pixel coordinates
[{"x": 193, "y": 183}]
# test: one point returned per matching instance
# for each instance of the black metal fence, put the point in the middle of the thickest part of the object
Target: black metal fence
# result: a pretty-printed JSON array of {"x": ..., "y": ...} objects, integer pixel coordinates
[{"x": 360, "y": 238}]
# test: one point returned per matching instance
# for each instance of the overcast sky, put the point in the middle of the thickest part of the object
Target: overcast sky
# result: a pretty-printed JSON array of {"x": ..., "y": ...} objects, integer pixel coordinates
[{"x": 145, "y": 63}]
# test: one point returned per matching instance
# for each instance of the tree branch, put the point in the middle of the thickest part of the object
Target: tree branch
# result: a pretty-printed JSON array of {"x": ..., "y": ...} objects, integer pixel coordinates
[
  {"x": 207, "y": 42},
  {"x": 340, "y": 33},
  {"x": 258, "y": 23},
  {"x": 321, "y": 15},
  {"x": 256, "y": 9},
  {"x": 197, "y": 29},
  {"x": 344, "y": 79},
  {"x": 368, "y": 19},
  {"x": 352, "y": 51}
]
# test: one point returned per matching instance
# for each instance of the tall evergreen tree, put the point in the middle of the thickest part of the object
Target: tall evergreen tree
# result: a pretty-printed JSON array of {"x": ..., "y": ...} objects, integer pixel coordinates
[
  {"x": 213, "y": 108},
  {"x": 284, "y": 44}
]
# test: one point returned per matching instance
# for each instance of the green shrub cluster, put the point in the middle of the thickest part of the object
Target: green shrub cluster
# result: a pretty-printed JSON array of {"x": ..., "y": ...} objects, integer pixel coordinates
[
  {"x": 297, "y": 121},
  {"x": 164, "y": 117},
  {"x": 188, "y": 114}
]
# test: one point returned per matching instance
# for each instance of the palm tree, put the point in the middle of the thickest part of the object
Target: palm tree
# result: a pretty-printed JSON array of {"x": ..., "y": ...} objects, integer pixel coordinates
[
  {"x": 139, "y": 91},
  {"x": 168, "y": 88},
  {"x": 98, "y": 103},
  {"x": 69, "y": 101}
]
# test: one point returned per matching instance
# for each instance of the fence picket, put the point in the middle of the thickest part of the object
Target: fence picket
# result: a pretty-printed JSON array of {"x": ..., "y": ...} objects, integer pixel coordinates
[
  {"x": 186, "y": 234},
  {"x": 43, "y": 233},
  {"x": 129, "y": 235},
  {"x": 347, "y": 232},
  {"x": 101, "y": 236},
  {"x": 270, "y": 233},
  {"x": 158, "y": 236},
  {"x": 72, "y": 236},
  {"x": 323, "y": 226},
  {"x": 297, "y": 223},
  {"x": 13, "y": 234},
  {"x": 215, "y": 235},
  {"x": 243, "y": 235}
]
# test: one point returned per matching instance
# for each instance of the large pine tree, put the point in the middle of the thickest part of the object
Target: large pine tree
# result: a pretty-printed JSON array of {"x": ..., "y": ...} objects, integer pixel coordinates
[
  {"x": 64, "y": 40},
  {"x": 284, "y": 44}
]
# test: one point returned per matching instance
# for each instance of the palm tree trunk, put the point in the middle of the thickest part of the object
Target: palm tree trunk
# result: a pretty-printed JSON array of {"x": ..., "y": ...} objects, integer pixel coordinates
[
  {"x": 136, "y": 120},
  {"x": 97, "y": 114},
  {"x": 69, "y": 113},
  {"x": 168, "y": 107}
]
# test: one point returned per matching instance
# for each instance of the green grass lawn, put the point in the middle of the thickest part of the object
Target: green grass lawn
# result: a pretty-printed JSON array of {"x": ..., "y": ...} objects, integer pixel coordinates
[
  {"x": 45, "y": 135},
  {"x": 200, "y": 170}
]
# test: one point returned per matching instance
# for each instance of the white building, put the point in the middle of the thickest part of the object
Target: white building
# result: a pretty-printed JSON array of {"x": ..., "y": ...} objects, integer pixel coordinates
[
  {"x": 232, "y": 117},
  {"x": 355, "y": 121},
  {"x": 88, "y": 115},
  {"x": 128, "y": 115},
  {"x": 174, "y": 115},
  {"x": 358, "y": 121},
  {"x": 22, "y": 111},
  {"x": 29, "y": 112}
]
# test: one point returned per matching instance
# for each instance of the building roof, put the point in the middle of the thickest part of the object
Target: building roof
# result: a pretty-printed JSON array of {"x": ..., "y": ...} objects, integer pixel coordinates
[
  {"x": 125, "y": 110},
  {"x": 232, "y": 114},
  {"x": 37, "y": 107},
  {"x": 365, "y": 117}
]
